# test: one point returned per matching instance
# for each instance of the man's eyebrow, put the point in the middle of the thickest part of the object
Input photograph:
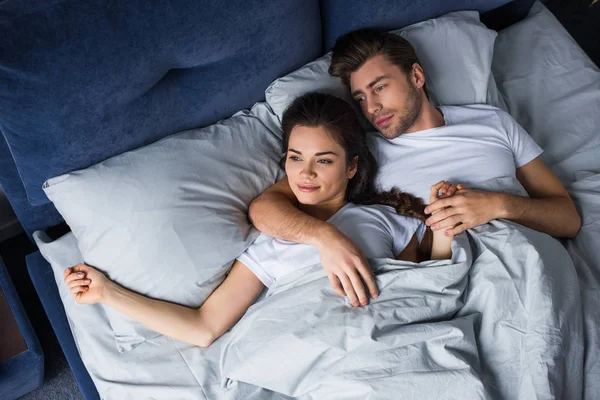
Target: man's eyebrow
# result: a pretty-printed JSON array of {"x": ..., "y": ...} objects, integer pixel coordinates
[{"x": 370, "y": 85}]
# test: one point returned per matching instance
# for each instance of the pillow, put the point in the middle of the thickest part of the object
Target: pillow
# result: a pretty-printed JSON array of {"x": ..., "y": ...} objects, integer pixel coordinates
[
  {"x": 167, "y": 220},
  {"x": 455, "y": 51}
]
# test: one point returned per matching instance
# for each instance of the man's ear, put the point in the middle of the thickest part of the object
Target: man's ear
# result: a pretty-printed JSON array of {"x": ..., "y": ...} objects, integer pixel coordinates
[
  {"x": 353, "y": 168},
  {"x": 417, "y": 76}
]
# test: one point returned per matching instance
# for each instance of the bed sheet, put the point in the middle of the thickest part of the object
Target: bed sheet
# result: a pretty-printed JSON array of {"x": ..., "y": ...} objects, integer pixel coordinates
[{"x": 552, "y": 88}]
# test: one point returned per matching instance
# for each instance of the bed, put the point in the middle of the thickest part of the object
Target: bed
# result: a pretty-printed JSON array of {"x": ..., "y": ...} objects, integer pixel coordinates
[{"x": 530, "y": 332}]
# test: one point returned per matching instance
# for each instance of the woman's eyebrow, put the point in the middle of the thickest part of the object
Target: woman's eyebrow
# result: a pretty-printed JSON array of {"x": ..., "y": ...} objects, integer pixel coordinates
[{"x": 316, "y": 154}]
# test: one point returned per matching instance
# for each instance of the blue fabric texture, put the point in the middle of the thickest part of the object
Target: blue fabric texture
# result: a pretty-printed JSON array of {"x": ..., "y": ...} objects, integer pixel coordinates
[
  {"x": 86, "y": 80},
  {"x": 45, "y": 285},
  {"x": 32, "y": 218},
  {"x": 342, "y": 16},
  {"x": 24, "y": 372}
]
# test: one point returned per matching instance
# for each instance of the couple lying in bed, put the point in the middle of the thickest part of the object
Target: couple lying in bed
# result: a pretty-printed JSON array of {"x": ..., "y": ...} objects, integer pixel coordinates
[{"x": 329, "y": 200}]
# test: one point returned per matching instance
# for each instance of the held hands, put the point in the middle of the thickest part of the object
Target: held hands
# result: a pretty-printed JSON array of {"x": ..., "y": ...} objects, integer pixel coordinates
[
  {"x": 347, "y": 268},
  {"x": 88, "y": 285},
  {"x": 458, "y": 208}
]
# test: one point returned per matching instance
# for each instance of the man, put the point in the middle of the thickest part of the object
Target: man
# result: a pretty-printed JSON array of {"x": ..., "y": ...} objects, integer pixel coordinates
[{"x": 418, "y": 145}]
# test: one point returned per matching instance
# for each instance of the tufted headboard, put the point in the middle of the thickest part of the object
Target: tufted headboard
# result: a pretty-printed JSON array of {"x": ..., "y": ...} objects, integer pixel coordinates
[{"x": 84, "y": 80}]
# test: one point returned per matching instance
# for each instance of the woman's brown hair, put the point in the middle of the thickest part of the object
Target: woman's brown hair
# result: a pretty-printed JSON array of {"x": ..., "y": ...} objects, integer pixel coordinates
[{"x": 341, "y": 122}]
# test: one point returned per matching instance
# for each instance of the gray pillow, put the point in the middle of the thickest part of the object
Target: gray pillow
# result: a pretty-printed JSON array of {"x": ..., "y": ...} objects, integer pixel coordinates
[
  {"x": 167, "y": 220},
  {"x": 455, "y": 50}
]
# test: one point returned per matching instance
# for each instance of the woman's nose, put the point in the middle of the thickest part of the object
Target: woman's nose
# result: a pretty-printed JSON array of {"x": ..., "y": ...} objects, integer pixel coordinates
[{"x": 307, "y": 172}]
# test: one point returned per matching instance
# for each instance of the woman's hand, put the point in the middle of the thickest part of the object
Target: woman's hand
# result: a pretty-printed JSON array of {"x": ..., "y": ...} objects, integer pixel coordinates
[
  {"x": 447, "y": 189},
  {"x": 88, "y": 285}
]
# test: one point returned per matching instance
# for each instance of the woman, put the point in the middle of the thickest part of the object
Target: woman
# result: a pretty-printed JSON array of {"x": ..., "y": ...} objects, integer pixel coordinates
[{"x": 331, "y": 171}]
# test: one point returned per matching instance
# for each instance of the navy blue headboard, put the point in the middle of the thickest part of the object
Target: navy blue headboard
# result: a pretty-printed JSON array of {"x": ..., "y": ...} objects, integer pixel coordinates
[
  {"x": 83, "y": 80},
  {"x": 343, "y": 16}
]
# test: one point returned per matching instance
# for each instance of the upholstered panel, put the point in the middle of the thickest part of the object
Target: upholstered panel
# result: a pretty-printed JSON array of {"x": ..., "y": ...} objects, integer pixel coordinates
[
  {"x": 343, "y": 16},
  {"x": 85, "y": 80}
]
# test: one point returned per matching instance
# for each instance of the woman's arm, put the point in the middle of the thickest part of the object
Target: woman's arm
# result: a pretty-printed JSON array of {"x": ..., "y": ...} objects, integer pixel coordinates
[
  {"x": 225, "y": 306},
  {"x": 441, "y": 245}
]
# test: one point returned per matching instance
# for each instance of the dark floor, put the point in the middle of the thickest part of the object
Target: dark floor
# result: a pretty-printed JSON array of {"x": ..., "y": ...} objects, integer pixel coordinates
[{"x": 579, "y": 17}]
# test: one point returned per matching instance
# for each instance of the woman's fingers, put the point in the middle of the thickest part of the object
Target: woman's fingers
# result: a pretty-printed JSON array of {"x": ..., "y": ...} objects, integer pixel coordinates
[
  {"x": 435, "y": 191},
  {"x": 79, "y": 282},
  {"x": 79, "y": 289},
  {"x": 74, "y": 276}
]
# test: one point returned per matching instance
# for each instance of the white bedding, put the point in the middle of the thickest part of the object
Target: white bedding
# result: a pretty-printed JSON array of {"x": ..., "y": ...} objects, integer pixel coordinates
[
  {"x": 561, "y": 113},
  {"x": 553, "y": 90}
]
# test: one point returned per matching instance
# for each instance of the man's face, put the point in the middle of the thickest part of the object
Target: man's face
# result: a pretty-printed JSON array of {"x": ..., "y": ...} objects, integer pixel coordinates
[{"x": 387, "y": 96}]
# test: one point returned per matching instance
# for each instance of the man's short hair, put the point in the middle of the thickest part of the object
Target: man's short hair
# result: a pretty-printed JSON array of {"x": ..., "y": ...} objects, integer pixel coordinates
[{"x": 353, "y": 49}]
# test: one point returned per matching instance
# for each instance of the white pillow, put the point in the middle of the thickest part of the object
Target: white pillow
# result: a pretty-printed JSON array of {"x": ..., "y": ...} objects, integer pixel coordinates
[
  {"x": 166, "y": 220},
  {"x": 455, "y": 51}
]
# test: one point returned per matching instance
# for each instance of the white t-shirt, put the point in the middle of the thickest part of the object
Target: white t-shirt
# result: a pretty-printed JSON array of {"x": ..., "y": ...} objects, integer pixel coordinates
[
  {"x": 378, "y": 230},
  {"x": 478, "y": 143}
]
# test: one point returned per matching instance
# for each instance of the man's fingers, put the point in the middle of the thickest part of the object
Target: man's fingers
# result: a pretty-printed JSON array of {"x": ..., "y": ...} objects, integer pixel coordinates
[
  {"x": 440, "y": 216},
  {"x": 336, "y": 285},
  {"x": 449, "y": 222},
  {"x": 359, "y": 288},
  {"x": 443, "y": 203},
  {"x": 455, "y": 231},
  {"x": 349, "y": 290},
  {"x": 367, "y": 276}
]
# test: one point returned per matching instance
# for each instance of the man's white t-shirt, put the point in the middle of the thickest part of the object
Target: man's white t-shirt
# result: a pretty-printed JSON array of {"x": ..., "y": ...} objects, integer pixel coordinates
[
  {"x": 378, "y": 230},
  {"x": 478, "y": 143}
]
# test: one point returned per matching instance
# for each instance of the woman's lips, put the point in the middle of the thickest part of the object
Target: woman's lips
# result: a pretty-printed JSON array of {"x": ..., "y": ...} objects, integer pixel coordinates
[
  {"x": 307, "y": 188},
  {"x": 383, "y": 122}
]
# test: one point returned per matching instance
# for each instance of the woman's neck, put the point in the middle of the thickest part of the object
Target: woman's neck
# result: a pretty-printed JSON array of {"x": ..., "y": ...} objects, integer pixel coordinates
[{"x": 323, "y": 211}]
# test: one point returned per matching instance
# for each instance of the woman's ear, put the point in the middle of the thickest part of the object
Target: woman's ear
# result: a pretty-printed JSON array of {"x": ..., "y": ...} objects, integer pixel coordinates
[{"x": 353, "y": 168}]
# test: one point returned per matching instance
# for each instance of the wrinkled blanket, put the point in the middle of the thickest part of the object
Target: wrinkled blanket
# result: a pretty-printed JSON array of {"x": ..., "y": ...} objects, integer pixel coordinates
[{"x": 501, "y": 319}]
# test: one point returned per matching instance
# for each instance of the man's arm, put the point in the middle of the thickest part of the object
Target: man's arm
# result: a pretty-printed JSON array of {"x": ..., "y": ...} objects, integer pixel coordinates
[
  {"x": 549, "y": 209},
  {"x": 275, "y": 212}
]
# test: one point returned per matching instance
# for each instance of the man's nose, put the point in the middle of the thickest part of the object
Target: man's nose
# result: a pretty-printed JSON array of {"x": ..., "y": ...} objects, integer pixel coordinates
[{"x": 373, "y": 105}]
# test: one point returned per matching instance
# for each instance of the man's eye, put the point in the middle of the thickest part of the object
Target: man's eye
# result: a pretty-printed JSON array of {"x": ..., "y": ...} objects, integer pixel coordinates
[
  {"x": 359, "y": 99},
  {"x": 380, "y": 88}
]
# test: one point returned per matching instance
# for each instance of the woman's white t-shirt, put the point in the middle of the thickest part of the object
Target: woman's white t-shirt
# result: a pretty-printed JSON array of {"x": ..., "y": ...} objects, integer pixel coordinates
[{"x": 378, "y": 230}]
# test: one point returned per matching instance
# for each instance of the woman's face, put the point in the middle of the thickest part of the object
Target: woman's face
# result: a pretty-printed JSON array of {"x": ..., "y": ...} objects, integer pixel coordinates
[{"x": 316, "y": 166}]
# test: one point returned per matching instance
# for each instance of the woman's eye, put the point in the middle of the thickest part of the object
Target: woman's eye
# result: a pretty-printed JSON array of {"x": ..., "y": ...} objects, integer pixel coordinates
[
  {"x": 325, "y": 161},
  {"x": 294, "y": 158}
]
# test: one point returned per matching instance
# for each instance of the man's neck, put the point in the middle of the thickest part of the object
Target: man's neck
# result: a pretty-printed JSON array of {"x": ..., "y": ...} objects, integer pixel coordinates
[{"x": 429, "y": 118}]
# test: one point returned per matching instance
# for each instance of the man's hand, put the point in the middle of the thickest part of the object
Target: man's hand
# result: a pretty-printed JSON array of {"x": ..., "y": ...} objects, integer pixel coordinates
[
  {"x": 347, "y": 268},
  {"x": 467, "y": 208}
]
